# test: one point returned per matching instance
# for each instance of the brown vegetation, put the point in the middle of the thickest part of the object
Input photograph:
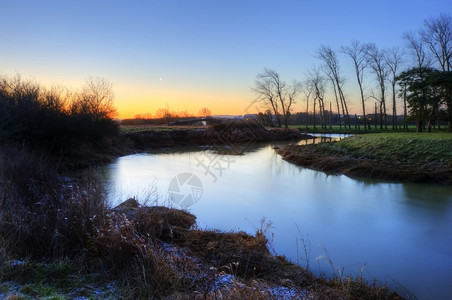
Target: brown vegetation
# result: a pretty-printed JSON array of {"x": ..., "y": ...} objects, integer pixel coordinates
[
  {"x": 44, "y": 214},
  {"x": 233, "y": 132},
  {"x": 182, "y": 262},
  {"x": 70, "y": 125}
]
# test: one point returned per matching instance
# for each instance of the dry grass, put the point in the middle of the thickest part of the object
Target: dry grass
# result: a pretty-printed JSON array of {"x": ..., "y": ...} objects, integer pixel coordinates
[
  {"x": 163, "y": 223},
  {"x": 42, "y": 213},
  {"x": 135, "y": 260}
]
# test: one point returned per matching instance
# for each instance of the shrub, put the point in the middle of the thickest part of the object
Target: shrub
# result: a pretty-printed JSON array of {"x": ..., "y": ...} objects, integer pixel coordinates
[{"x": 55, "y": 117}]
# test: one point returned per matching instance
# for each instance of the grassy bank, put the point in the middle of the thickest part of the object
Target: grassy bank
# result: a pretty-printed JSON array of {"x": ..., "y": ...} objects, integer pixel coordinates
[
  {"x": 59, "y": 239},
  {"x": 411, "y": 157},
  {"x": 410, "y": 148}
]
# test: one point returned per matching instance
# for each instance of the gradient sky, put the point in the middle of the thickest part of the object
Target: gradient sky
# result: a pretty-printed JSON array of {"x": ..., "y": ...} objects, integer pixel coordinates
[{"x": 186, "y": 55}]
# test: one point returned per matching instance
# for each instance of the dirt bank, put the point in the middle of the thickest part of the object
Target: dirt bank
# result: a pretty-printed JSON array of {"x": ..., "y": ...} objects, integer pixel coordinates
[
  {"x": 232, "y": 265},
  {"x": 214, "y": 135},
  {"x": 236, "y": 136},
  {"x": 337, "y": 163}
]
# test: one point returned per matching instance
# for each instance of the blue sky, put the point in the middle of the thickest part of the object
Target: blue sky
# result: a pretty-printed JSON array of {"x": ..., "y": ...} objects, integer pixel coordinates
[{"x": 191, "y": 54}]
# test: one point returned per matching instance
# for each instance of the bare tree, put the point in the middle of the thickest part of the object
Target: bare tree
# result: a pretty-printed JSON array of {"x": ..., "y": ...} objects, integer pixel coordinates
[
  {"x": 307, "y": 91},
  {"x": 204, "y": 112},
  {"x": 437, "y": 35},
  {"x": 56, "y": 98},
  {"x": 291, "y": 95},
  {"x": 146, "y": 115},
  {"x": 332, "y": 70},
  {"x": 317, "y": 87},
  {"x": 422, "y": 58},
  {"x": 264, "y": 89},
  {"x": 394, "y": 59},
  {"x": 333, "y": 82},
  {"x": 417, "y": 50},
  {"x": 164, "y": 113},
  {"x": 56, "y": 114},
  {"x": 357, "y": 53},
  {"x": 95, "y": 100},
  {"x": 19, "y": 103},
  {"x": 277, "y": 94},
  {"x": 377, "y": 63}
]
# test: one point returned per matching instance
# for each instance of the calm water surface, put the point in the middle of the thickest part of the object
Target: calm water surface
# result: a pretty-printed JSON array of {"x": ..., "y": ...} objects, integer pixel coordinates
[{"x": 400, "y": 234}]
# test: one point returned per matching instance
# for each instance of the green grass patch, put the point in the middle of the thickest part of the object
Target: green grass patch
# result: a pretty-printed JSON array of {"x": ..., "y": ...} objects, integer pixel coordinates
[{"x": 418, "y": 148}]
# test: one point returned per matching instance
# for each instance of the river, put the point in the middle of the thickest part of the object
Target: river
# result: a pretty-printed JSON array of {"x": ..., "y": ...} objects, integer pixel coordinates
[{"x": 399, "y": 234}]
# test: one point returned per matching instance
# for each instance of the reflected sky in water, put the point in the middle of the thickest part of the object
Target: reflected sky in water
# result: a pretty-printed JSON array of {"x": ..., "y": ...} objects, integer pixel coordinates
[{"x": 400, "y": 232}]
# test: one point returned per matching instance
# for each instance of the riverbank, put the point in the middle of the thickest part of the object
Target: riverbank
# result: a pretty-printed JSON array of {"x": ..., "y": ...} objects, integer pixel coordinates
[
  {"x": 159, "y": 253},
  {"x": 237, "y": 135},
  {"x": 133, "y": 251},
  {"x": 407, "y": 157}
]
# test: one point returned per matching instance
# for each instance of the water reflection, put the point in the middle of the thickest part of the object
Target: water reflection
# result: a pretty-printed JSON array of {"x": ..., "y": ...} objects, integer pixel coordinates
[
  {"x": 427, "y": 195},
  {"x": 400, "y": 231}
]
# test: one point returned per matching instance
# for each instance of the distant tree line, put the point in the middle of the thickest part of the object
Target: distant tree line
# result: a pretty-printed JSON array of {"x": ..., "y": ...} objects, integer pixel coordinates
[
  {"x": 424, "y": 88},
  {"x": 372, "y": 120},
  {"x": 56, "y": 116},
  {"x": 165, "y": 116}
]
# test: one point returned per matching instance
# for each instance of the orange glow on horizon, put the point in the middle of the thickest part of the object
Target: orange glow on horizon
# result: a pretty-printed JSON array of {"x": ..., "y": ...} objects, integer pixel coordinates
[
  {"x": 130, "y": 108},
  {"x": 131, "y": 101}
]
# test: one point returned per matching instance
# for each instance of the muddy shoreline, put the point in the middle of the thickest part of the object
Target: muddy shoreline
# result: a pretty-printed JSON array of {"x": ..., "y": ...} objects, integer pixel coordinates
[
  {"x": 209, "y": 136},
  {"x": 333, "y": 163}
]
